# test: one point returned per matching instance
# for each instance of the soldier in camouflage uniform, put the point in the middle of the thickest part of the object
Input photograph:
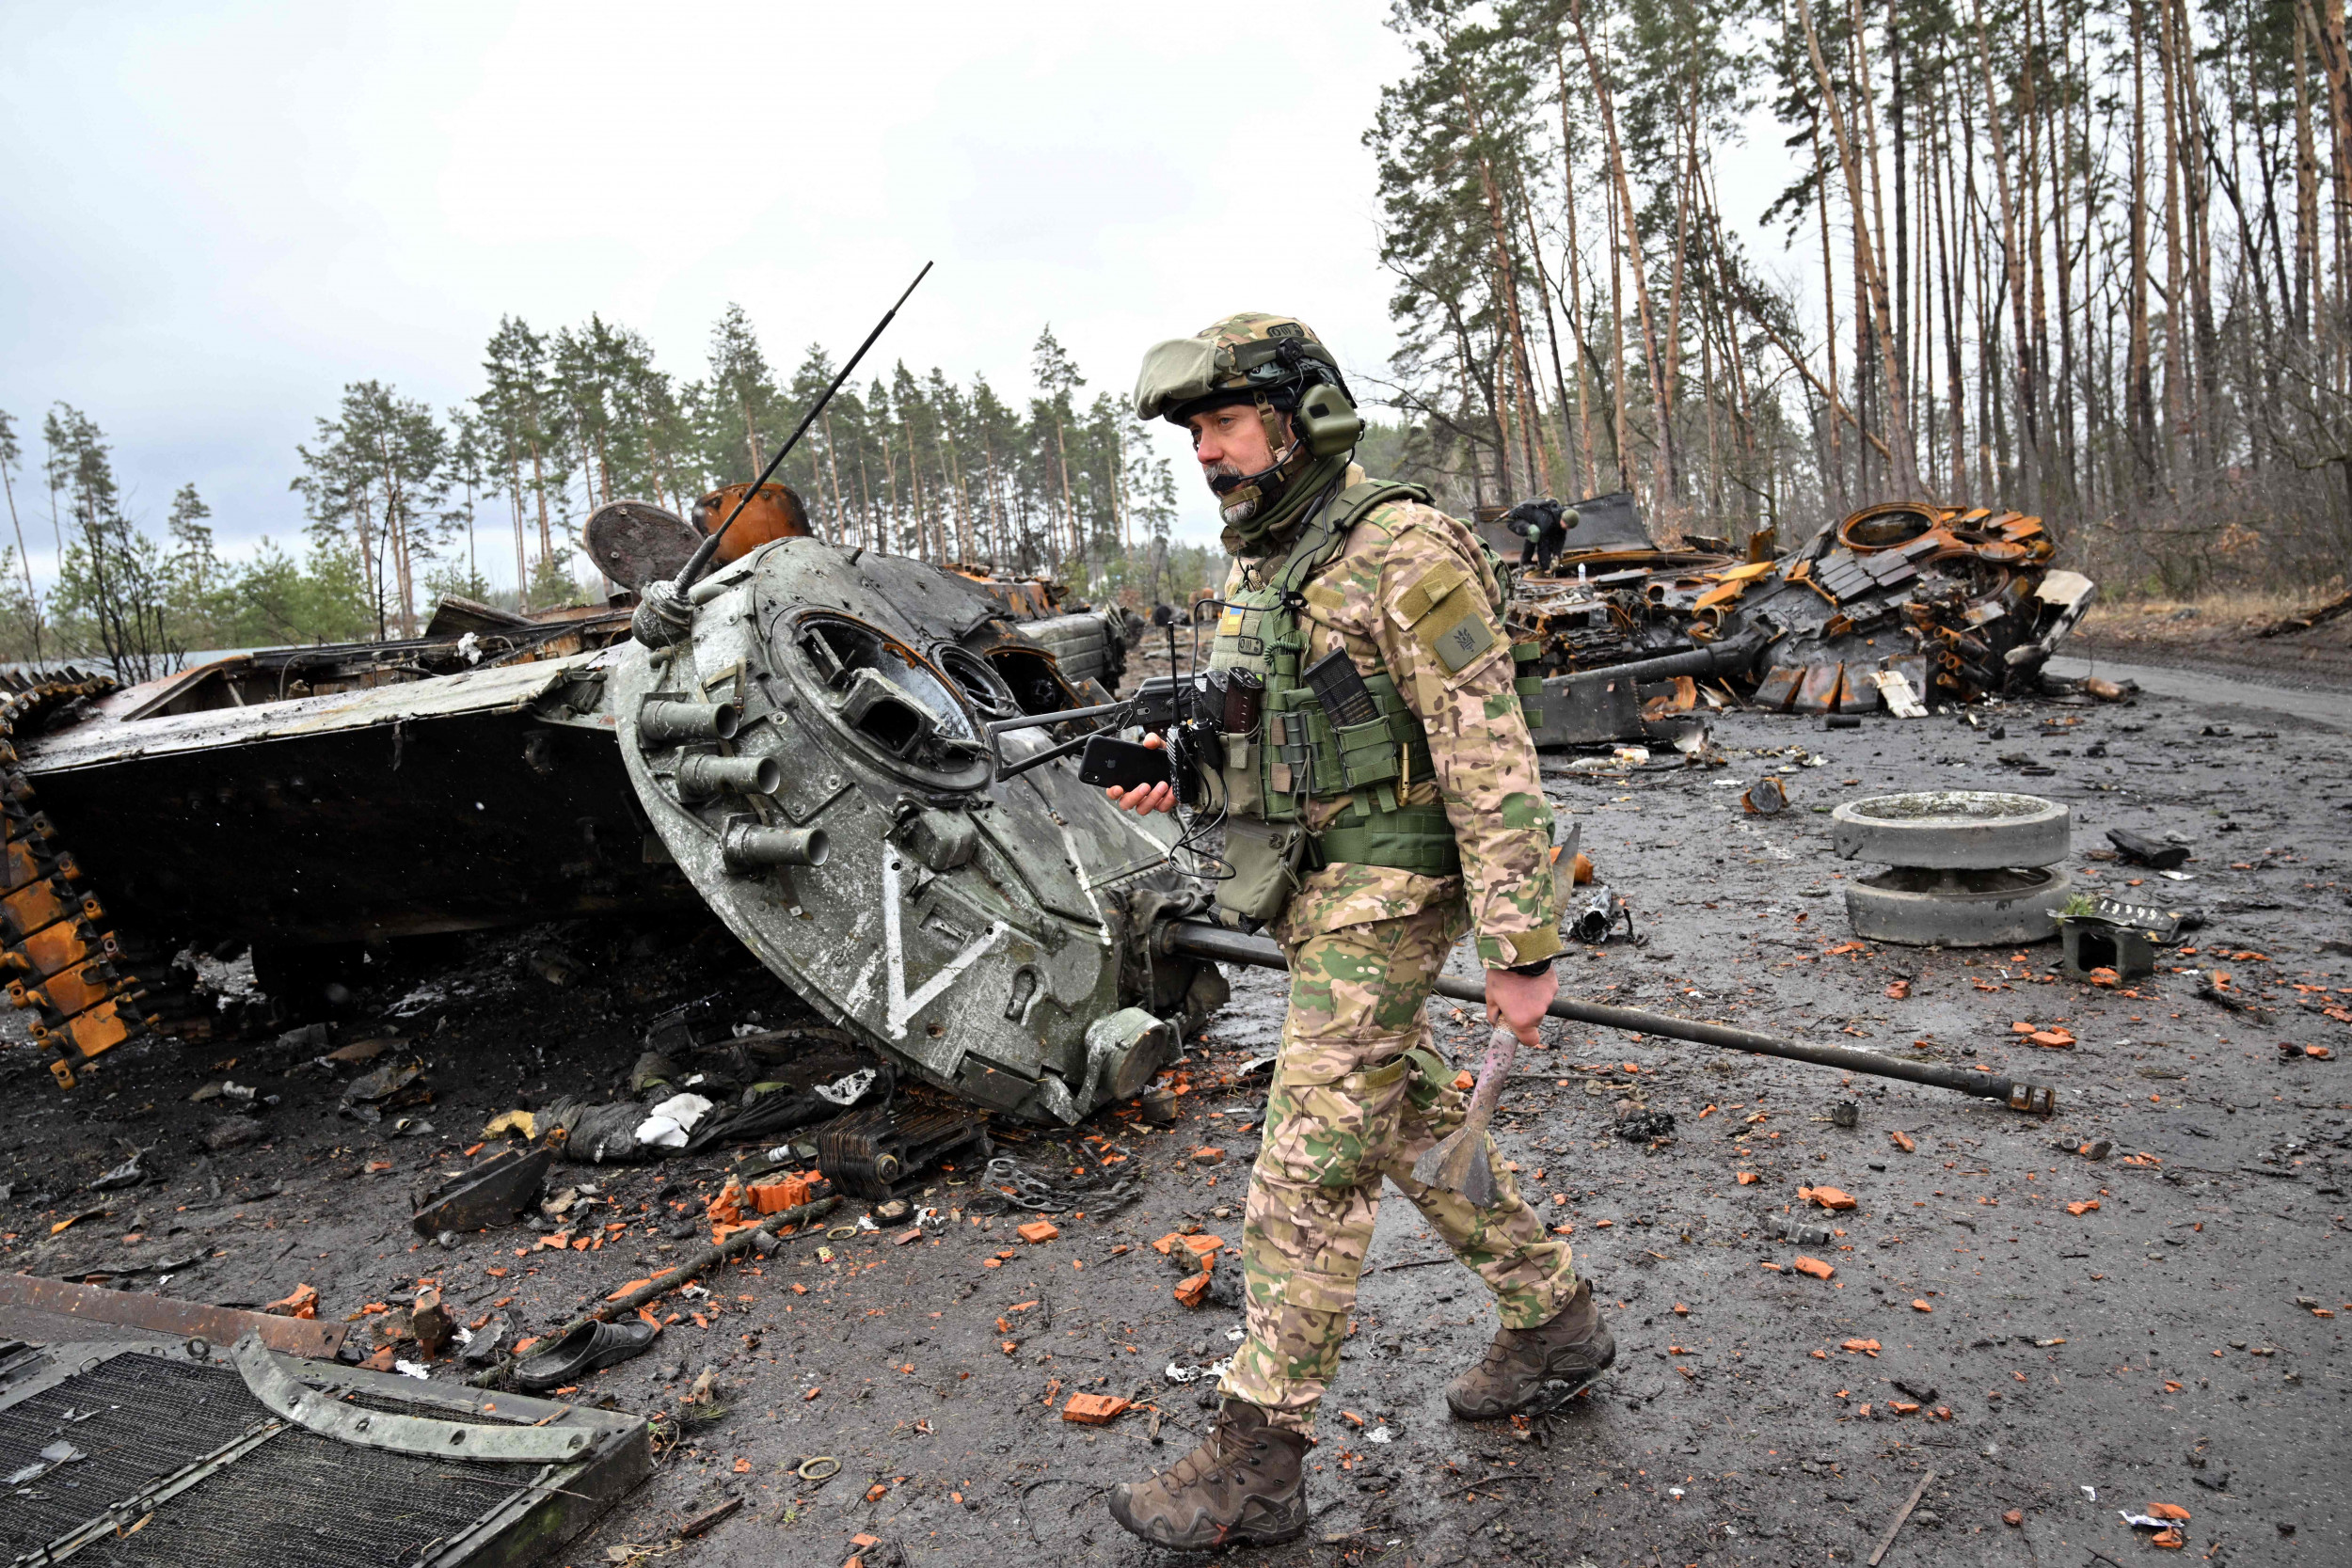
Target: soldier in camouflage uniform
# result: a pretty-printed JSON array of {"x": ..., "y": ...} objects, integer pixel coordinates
[{"x": 1382, "y": 843}]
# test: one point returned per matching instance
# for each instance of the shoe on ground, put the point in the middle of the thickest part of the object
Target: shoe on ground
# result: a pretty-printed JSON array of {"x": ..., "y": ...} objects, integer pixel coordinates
[
  {"x": 582, "y": 1351},
  {"x": 1245, "y": 1485},
  {"x": 1535, "y": 1371}
]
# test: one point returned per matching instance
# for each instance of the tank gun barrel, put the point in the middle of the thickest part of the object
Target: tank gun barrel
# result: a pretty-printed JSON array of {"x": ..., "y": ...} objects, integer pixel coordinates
[{"x": 1200, "y": 939}]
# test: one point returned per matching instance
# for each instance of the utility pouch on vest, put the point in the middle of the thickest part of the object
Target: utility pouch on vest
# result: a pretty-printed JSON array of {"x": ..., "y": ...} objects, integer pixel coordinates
[
  {"x": 1265, "y": 858},
  {"x": 1244, "y": 794},
  {"x": 1528, "y": 681}
]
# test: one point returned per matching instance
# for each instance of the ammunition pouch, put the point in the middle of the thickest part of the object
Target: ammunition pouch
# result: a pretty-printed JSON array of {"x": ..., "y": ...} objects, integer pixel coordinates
[{"x": 1263, "y": 858}]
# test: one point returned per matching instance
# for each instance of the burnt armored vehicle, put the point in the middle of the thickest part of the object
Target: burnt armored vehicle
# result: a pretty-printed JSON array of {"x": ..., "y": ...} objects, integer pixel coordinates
[{"x": 812, "y": 763}]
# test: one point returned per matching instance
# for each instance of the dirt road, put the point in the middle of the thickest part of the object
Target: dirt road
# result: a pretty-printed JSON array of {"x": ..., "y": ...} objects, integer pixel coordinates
[{"x": 2054, "y": 1338}]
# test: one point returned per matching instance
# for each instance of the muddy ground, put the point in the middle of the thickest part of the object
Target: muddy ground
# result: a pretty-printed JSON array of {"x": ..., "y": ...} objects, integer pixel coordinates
[{"x": 2176, "y": 1343}]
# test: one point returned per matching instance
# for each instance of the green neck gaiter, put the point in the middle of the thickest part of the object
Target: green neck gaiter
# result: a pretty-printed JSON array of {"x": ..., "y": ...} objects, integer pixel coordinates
[{"x": 1259, "y": 534}]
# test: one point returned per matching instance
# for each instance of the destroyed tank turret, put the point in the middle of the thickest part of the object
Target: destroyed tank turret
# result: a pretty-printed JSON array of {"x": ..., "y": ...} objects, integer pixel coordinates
[{"x": 814, "y": 757}]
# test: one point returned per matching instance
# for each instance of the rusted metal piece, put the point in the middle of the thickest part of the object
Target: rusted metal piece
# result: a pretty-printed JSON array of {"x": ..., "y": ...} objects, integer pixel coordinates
[
  {"x": 74, "y": 975},
  {"x": 1458, "y": 1162},
  {"x": 879, "y": 1153},
  {"x": 774, "y": 513},
  {"x": 186, "y": 1320}
]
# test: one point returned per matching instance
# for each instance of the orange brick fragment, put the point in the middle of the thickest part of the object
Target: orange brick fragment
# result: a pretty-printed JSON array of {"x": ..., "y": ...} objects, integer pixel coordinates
[
  {"x": 877, "y": 1492},
  {"x": 1862, "y": 1347},
  {"x": 2083, "y": 1208},
  {"x": 2014, "y": 1518},
  {"x": 1749, "y": 1179},
  {"x": 1093, "y": 1410},
  {"x": 1193, "y": 1292},
  {"x": 2170, "y": 1539},
  {"x": 1902, "y": 1141},
  {"x": 1815, "y": 1267},
  {"x": 774, "y": 1198},
  {"x": 2169, "y": 1510},
  {"x": 1900, "y": 990},
  {"x": 1463, "y": 1081},
  {"x": 300, "y": 1302},
  {"x": 1828, "y": 1198},
  {"x": 1902, "y": 1407},
  {"x": 1919, "y": 1306},
  {"x": 2052, "y": 1039},
  {"x": 1038, "y": 1230}
]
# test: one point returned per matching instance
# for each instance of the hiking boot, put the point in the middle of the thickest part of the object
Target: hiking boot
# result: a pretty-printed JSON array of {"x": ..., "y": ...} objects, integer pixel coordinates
[
  {"x": 1535, "y": 1371},
  {"x": 1245, "y": 1483}
]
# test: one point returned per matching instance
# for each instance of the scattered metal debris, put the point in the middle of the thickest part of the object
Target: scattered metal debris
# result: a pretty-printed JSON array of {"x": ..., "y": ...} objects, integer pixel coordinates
[
  {"x": 219, "y": 1325},
  {"x": 881, "y": 1153},
  {"x": 492, "y": 1192},
  {"x": 2157, "y": 854}
]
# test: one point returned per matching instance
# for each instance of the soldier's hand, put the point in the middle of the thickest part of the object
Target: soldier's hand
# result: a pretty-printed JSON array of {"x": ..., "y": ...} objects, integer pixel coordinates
[
  {"x": 1140, "y": 798},
  {"x": 1519, "y": 1000}
]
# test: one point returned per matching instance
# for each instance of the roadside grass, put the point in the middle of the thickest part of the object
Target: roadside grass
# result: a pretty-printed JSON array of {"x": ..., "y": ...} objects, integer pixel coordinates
[{"x": 2199, "y": 618}]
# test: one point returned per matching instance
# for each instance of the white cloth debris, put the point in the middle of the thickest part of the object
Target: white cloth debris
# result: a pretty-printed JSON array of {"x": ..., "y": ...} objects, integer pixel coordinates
[
  {"x": 846, "y": 1089},
  {"x": 667, "y": 1124},
  {"x": 469, "y": 648},
  {"x": 411, "y": 1369}
]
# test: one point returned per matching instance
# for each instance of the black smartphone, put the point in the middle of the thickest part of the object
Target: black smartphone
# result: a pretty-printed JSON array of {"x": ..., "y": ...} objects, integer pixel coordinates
[{"x": 1109, "y": 762}]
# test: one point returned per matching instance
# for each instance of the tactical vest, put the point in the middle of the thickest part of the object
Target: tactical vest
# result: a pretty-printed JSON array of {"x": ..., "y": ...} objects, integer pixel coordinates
[{"x": 1298, "y": 753}]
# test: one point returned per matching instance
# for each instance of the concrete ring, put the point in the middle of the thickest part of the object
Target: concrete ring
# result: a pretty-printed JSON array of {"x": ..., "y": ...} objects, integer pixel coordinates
[
  {"x": 1952, "y": 830},
  {"x": 1974, "y": 909}
]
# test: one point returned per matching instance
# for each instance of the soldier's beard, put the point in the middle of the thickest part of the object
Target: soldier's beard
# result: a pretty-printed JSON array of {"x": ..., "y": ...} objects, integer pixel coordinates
[{"x": 1239, "y": 512}]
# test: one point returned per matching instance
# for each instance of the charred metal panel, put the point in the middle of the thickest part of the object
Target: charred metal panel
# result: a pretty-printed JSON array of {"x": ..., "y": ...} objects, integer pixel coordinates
[
  {"x": 382, "y": 818},
  {"x": 175, "y": 1460}
]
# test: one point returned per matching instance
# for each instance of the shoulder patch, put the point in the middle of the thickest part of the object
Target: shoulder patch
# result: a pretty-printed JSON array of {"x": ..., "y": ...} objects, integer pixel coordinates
[
  {"x": 1462, "y": 637},
  {"x": 1431, "y": 588}
]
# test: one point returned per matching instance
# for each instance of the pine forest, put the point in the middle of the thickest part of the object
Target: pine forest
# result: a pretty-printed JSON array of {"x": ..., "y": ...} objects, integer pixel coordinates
[{"x": 2090, "y": 259}]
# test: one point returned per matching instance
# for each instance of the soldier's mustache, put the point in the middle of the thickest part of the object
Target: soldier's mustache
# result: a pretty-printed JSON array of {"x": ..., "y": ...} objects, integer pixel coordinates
[{"x": 1234, "y": 512}]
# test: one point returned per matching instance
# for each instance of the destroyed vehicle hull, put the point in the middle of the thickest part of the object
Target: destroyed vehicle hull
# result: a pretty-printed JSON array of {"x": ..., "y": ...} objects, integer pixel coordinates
[
  {"x": 984, "y": 934},
  {"x": 1962, "y": 603}
]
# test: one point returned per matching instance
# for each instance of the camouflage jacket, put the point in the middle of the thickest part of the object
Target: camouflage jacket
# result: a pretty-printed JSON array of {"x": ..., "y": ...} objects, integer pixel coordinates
[{"x": 1372, "y": 598}]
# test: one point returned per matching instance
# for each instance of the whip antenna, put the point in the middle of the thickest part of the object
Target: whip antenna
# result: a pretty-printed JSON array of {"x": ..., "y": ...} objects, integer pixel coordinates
[
  {"x": 703, "y": 551},
  {"x": 663, "y": 614}
]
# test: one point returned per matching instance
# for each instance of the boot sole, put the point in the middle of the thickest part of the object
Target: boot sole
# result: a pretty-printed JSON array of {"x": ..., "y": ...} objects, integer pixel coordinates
[
  {"x": 1239, "y": 1536},
  {"x": 1548, "y": 1396}
]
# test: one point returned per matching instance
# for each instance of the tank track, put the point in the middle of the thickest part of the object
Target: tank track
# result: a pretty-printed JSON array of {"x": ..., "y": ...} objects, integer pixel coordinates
[{"x": 87, "y": 989}]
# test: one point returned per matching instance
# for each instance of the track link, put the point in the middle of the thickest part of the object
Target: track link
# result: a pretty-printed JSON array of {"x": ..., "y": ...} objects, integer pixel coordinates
[{"x": 59, "y": 959}]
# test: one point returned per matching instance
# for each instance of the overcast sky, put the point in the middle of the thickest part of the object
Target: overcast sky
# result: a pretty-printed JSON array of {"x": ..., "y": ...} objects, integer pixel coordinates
[{"x": 216, "y": 216}]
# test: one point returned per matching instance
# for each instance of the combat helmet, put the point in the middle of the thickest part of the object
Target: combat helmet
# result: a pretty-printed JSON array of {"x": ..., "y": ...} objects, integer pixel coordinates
[{"x": 1278, "y": 364}]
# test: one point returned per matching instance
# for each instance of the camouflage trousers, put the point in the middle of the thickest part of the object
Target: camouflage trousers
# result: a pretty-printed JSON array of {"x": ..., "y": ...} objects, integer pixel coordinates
[{"x": 1348, "y": 1107}]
